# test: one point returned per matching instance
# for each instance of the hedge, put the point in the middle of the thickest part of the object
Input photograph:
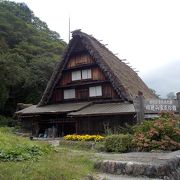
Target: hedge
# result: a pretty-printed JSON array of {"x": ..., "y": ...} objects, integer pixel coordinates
[{"x": 118, "y": 143}]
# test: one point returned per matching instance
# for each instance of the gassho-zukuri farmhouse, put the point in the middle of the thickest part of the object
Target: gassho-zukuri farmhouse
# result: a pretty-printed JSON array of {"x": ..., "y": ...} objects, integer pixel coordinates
[{"x": 89, "y": 90}]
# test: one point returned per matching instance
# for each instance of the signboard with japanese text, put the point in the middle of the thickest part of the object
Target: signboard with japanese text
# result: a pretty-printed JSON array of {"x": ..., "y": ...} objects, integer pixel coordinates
[{"x": 158, "y": 105}]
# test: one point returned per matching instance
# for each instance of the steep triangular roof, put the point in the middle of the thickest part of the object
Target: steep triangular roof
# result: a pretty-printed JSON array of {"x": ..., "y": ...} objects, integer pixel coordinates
[{"x": 124, "y": 80}]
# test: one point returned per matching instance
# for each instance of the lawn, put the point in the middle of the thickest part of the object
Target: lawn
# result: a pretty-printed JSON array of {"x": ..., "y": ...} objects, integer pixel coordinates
[{"x": 61, "y": 163}]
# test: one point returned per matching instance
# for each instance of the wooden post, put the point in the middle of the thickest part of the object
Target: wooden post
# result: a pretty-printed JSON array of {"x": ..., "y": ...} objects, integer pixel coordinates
[
  {"x": 140, "y": 114},
  {"x": 62, "y": 128},
  {"x": 178, "y": 100}
]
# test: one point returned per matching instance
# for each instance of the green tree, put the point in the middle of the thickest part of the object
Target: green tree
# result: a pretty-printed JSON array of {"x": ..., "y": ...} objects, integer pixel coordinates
[{"x": 28, "y": 53}]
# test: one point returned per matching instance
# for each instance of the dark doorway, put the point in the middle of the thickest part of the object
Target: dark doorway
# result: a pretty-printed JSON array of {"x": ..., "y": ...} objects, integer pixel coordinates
[{"x": 69, "y": 128}]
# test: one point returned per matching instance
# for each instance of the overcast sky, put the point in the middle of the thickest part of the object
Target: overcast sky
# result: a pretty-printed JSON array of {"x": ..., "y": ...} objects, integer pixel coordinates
[{"x": 145, "y": 32}]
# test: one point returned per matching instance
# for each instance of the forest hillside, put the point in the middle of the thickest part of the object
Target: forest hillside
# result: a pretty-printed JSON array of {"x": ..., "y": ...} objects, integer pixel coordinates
[{"x": 28, "y": 53}]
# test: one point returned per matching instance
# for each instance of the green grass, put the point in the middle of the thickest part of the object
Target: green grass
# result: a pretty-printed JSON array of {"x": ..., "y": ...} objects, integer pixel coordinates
[
  {"x": 57, "y": 164},
  {"x": 64, "y": 164},
  {"x": 14, "y": 148}
]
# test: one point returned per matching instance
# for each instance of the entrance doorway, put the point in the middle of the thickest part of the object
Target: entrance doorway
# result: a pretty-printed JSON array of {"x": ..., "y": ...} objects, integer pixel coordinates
[
  {"x": 66, "y": 128},
  {"x": 69, "y": 128}
]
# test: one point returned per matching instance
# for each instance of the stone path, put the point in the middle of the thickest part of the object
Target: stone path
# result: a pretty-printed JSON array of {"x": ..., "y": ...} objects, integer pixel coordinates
[{"x": 152, "y": 165}]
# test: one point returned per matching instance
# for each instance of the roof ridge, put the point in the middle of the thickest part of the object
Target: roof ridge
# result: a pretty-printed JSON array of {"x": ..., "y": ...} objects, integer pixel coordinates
[{"x": 79, "y": 32}]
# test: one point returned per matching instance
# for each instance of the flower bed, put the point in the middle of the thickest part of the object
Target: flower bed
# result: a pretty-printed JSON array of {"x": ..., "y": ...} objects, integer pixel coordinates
[{"x": 86, "y": 137}]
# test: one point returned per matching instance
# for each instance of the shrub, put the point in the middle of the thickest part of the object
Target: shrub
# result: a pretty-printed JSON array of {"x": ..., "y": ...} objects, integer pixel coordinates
[
  {"x": 162, "y": 133},
  {"x": 86, "y": 137},
  {"x": 13, "y": 148},
  {"x": 126, "y": 128},
  {"x": 100, "y": 146},
  {"x": 6, "y": 129},
  {"x": 7, "y": 121},
  {"x": 118, "y": 143}
]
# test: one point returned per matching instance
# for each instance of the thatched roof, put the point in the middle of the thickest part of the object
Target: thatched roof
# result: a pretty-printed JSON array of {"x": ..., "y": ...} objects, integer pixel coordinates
[{"x": 124, "y": 80}]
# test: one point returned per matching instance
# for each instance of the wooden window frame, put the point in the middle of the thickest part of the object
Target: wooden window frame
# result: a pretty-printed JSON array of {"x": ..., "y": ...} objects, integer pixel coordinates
[
  {"x": 74, "y": 75},
  {"x": 95, "y": 90},
  {"x": 66, "y": 91},
  {"x": 89, "y": 73}
]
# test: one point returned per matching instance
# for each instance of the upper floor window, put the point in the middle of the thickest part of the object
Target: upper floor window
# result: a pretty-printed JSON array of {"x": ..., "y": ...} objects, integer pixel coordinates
[
  {"x": 86, "y": 74},
  {"x": 81, "y": 74},
  {"x": 95, "y": 91},
  {"x": 69, "y": 94},
  {"x": 76, "y": 75}
]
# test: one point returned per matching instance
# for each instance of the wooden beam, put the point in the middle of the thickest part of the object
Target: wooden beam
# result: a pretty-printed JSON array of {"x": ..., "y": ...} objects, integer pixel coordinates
[{"x": 139, "y": 106}]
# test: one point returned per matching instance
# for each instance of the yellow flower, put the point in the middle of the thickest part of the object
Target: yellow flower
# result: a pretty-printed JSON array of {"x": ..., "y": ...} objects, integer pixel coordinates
[{"x": 86, "y": 137}]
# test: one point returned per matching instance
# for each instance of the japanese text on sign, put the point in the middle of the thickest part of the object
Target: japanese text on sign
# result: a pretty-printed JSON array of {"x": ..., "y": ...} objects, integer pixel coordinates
[{"x": 160, "y": 105}]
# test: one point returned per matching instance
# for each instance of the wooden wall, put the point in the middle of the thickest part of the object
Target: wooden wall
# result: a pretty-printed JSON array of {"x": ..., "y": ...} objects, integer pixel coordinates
[
  {"x": 80, "y": 62},
  {"x": 97, "y": 125},
  {"x": 80, "y": 125},
  {"x": 109, "y": 92},
  {"x": 77, "y": 60},
  {"x": 95, "y": 72},
  {"x": 82, "y": 93},
  {"x": 57, "y": 96}
]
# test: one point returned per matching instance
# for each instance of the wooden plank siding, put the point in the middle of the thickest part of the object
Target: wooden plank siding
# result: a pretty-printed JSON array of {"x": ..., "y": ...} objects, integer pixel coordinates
[
  {"x": 82, "y": 86},
  {"x": 97, "y": 74},
  {"x": 109, "y": 92},
  {"x": 67, "y": 76},
  {"x": 82, "y": 93},
  {"x": 66, "y": 79},
  {"x": 57, "y": 96},
  {"x": 100, "y": 124},
  {"x": 79, "y": 60}
]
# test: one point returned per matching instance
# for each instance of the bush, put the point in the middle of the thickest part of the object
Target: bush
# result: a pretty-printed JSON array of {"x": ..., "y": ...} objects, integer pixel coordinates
[
  {"x": 100, "y": 146},
  {"x": 118, "y": 143},
  {"x": 13, "y": 148},
  {"x": 162, "y": 133},
  {"x": 7, "y": 121},
  {"x": 6, "y": 129},
  {"x": 126, "y": 128}
]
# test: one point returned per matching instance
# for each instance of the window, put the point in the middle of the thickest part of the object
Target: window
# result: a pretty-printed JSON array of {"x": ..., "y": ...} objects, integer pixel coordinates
[
  {"x": 86, "y": 74},
  {"x": 95, "y": 91},
  {"x": 69, "y": 94},
  {"x": 81, "y": 74},
  {"x": 76, "y": 75}
]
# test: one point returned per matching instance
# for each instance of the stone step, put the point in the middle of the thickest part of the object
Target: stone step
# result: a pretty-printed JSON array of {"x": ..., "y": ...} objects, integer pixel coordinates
[
  {"x": 104, "y": 176},
  {"x": 167, "y": 170}
]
